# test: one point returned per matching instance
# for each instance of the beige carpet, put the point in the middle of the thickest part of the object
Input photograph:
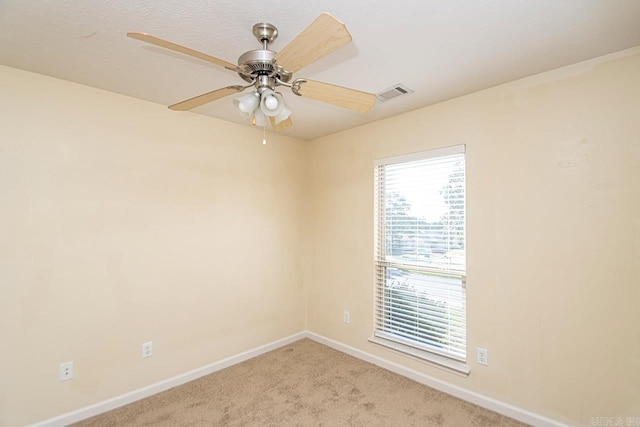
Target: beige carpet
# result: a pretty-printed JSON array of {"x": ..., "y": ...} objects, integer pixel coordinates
[{"x": 301, "y": 384}]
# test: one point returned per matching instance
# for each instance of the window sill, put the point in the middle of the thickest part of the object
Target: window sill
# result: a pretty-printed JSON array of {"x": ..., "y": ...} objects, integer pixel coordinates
[{"x": 445, "y": 363}]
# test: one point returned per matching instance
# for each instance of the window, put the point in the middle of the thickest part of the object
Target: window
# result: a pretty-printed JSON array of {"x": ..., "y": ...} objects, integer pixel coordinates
[{"x": 420, "y": 303}]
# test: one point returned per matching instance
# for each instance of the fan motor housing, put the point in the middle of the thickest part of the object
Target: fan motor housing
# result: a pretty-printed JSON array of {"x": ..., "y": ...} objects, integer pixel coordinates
[{"x": 260, "y": 62}]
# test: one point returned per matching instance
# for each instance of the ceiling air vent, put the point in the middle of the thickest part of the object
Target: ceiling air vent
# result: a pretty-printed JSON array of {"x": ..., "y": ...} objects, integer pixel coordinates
[{"x": 393, "y": 92}]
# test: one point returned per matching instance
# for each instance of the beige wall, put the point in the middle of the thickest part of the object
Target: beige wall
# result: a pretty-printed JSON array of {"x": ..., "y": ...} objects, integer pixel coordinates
[
  {"x": 123, "y": 222},
  {"x": 553, "y": 199}
]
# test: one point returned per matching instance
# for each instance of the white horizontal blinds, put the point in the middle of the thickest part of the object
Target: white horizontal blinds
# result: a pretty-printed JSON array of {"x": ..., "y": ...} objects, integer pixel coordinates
[
  {"x": 420, "y": 251},
  {"x": 422, "y": 310}
]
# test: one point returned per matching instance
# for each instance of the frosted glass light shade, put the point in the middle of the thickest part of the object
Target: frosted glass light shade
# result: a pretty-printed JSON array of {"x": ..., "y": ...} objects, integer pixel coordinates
[
  {"x": 271, "y": 103},
  {"x": 284, "y": 114},
  {"x": 260, "y": 119},
  {"x": 246, "y": 104}
]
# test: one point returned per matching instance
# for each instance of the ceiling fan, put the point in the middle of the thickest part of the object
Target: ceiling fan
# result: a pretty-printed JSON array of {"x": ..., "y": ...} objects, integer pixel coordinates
[{"x": 265, "y": 70}]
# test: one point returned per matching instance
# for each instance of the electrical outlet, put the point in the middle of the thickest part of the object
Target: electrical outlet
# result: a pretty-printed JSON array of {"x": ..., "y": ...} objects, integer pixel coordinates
[
  {"x": 147, "y": 349},
  {"x": 347, "y": 317},
  {"x": 66, "y": 371},
  {"x": 482, "y": 356}
]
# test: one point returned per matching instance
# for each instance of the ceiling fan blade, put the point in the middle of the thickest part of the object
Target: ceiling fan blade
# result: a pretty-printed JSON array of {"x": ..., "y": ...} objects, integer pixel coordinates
[
  {"x": 282, "y": 126},
  {"x": 199, "y": 100},
  {"x": 185, "y": 50},
  {"x": 336, "y": 95},
  {"x": 325, "y": 35}
]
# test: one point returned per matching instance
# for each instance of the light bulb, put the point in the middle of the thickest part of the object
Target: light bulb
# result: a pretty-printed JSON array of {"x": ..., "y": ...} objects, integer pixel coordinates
[
  {"x": 271, "y": 102},
  {"x": 246, "y": 104}
]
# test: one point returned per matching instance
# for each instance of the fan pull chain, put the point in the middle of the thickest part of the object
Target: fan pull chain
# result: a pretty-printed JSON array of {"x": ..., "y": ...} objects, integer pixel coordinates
[{"x": 264, "y": 135}]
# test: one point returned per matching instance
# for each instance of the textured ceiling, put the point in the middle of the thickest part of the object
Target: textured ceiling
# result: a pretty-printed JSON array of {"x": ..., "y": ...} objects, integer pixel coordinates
[{"x": 439, "y": 49}]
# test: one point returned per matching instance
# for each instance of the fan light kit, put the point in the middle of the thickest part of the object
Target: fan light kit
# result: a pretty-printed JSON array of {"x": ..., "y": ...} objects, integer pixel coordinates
[{"x": 265, "y": 70}]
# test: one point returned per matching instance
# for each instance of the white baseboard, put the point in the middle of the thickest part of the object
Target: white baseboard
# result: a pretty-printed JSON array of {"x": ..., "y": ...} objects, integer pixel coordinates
[
  {"x": 459, "y": 392},
  {"x": 150, "y": 390}
]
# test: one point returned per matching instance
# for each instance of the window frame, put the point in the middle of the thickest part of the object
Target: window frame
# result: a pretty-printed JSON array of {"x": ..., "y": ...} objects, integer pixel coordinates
[{"x": 407, "y": 346}]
